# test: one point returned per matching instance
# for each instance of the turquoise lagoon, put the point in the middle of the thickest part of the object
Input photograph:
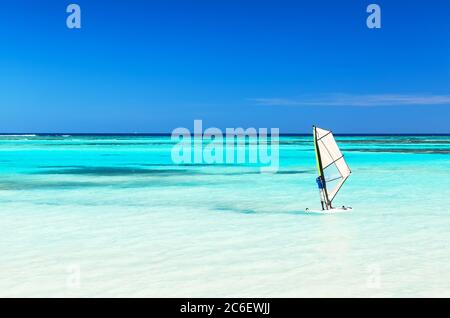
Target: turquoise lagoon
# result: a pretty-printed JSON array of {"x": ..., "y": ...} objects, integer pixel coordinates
[{"x": 114, "y": 216}]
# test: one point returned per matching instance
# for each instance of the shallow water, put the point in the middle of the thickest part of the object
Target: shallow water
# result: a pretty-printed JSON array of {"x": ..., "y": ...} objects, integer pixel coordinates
[{"x": 117, "y": 213}]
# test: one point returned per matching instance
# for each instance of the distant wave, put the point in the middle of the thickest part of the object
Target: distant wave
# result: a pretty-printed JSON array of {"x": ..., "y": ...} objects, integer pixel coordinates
[{"x": 24, "y": 135}]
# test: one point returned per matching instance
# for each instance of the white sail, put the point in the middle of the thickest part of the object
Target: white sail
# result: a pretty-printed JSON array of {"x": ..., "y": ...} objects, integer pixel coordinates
[{"x": 332, "y": 163}]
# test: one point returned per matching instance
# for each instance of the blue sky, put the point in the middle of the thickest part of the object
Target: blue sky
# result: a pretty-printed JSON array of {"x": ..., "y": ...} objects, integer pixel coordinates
[{"x": 152, "y": 66}]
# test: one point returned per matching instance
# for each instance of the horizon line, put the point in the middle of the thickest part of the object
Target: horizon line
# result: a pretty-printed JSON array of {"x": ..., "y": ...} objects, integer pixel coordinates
[{"x": 30, "y": 134}]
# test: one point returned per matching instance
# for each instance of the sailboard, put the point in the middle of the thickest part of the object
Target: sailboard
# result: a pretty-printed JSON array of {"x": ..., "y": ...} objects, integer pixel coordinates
[{"x": 332, "y": 170}]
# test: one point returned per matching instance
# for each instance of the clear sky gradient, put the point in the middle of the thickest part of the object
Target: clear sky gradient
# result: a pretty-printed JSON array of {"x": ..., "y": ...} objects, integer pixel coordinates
[{"x": 152, "y": 66}]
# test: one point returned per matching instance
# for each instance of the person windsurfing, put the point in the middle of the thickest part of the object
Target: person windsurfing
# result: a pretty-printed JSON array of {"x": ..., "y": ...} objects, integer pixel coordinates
[{"x": 321, "y": 186}]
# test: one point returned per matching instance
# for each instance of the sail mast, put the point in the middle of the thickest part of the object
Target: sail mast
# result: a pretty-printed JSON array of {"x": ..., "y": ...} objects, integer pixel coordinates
[{"x": 324, "y": 198}]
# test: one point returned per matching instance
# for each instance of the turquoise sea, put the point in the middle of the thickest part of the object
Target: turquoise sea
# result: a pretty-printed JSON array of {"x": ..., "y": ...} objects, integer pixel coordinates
[{"x": 113, "y": 216}]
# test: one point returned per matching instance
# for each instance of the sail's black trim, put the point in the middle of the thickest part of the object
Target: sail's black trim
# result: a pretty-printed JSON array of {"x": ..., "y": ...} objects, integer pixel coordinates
[
  {"x": 324, "y": 135},
  {"x": 333, "y": 161},
  {"x": 331, "y": 156},
  {"x": 341, "y": 177},
  {"x": 345, "y": 179},
  {"x": 329, "y": 153}
]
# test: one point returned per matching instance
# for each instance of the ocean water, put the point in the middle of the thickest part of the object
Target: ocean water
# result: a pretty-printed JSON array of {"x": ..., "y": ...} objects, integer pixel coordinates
[{"x": 113, "y": 216}]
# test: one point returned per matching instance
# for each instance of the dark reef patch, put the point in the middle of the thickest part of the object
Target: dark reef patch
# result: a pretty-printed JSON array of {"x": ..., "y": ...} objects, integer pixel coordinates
[
  {"x": 293, "y": 171},
  {"x": 410, "y": 141},
  {"x": 439, "y": 151},
  {"x": 113, "y": 171}
]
